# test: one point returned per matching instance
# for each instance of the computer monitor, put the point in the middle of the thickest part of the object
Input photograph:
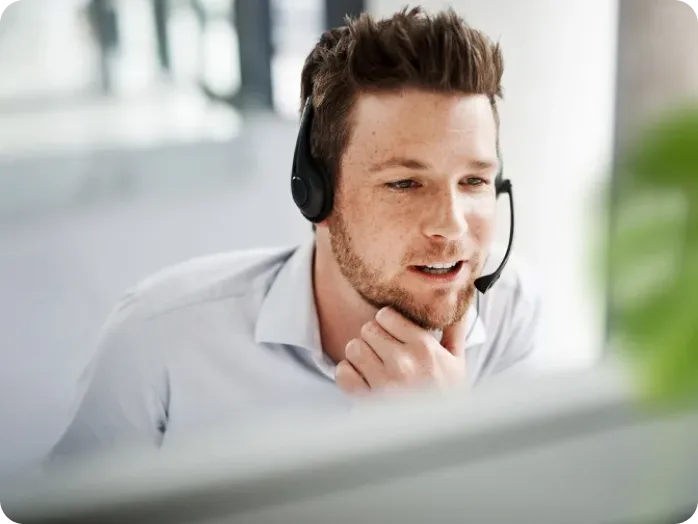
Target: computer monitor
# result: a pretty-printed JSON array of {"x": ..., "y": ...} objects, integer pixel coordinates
[{"x": 572, "y": 448}]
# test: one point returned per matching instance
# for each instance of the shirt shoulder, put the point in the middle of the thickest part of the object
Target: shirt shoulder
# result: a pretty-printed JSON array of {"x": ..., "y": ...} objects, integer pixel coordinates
[
  {"x": 510, "y": 312},
  {"x": 201, "y": 280},
  {"x": 517, "y": 284},
  {"x": 151, "y": 344}
]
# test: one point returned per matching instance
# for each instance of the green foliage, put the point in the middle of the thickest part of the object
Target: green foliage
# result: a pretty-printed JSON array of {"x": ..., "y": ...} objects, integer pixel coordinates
[{"x": 654, "y": 258}]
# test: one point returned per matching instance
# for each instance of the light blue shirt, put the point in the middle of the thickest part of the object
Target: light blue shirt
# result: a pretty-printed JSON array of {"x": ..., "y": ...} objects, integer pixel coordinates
[{"x": 232, "y": 338}]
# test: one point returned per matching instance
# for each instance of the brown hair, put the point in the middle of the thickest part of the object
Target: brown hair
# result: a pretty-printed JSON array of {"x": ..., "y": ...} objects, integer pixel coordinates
[{"x": 438, "y": 53}]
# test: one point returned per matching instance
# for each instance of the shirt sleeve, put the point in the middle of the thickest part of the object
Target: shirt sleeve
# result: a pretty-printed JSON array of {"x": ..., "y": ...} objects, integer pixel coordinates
[{"x": 123, "y": 392}]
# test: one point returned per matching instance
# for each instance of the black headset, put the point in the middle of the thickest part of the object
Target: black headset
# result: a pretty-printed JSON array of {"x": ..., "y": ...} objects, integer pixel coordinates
[{"x": 313, "y": 191}]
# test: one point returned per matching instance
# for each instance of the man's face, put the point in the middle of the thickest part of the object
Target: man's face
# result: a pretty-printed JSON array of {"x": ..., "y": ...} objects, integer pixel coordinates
[{"x": 416, "y": 190}]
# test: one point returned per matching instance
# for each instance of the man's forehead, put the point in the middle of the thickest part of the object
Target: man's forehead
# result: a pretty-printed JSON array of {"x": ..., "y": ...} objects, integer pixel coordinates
[
  {"x": 394, "y": 105},
  {"x": 430, "y": 163},
  {"x": 385, "y": 119},
  {"x": 414, "y": 149},
  {"x": 392, "y": 130}
]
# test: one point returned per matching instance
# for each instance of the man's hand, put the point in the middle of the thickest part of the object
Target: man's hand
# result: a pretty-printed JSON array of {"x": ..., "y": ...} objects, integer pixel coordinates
[{"x": 393, "y": 353}]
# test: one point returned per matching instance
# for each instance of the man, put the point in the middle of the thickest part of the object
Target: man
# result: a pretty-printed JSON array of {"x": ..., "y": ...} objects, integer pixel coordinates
[{"x": 405, "y": 125}]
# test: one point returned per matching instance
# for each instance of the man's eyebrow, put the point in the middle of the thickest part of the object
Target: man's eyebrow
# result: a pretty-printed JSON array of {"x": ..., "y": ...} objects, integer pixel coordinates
[
  {"x": 398, "y": 161},
  {"x": 483, "y": 165},
  {"x": 412, "y": 163}
]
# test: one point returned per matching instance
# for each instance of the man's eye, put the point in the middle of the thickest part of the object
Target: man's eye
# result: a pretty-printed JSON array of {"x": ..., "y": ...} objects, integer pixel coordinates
[
  {"x": 401, "y": 184},
  {"x": 475, "y": 181}
]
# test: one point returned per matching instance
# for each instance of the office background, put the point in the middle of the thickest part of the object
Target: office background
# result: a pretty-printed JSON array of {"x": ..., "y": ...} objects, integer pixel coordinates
[{"x": 138, "y": 133}]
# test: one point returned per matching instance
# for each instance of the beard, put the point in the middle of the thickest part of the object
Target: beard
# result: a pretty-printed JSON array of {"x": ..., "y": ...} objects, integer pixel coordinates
[{"x": 379, "y": 294}]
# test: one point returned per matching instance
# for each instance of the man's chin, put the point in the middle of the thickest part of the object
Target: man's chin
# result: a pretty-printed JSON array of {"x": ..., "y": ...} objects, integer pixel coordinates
[
  {"x": 440, "y": 312},
  {"x": 432, "y": 318},
  {"x": 432, "y": 311}
]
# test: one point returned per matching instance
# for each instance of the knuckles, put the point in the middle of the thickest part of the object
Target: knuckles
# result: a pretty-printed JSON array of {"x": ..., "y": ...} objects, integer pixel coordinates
[
  {"x": 405, "y": 366},
  {"x": 423, "y": 351},
  {"x": 426, "y": 343},
  {"x": 371, "y": 329},
  {"x": 344, "y": 371},
  {"x": 411, "y": 361}
]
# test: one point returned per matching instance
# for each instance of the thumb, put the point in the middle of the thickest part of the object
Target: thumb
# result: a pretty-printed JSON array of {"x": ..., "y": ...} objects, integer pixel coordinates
[{"x": 454, "y": 336}]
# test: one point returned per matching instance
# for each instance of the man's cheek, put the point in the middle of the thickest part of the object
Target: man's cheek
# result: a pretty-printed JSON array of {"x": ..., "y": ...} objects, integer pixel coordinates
[
  {"x": 361, "y": 215},
  {"x": 483, "y": 225}
]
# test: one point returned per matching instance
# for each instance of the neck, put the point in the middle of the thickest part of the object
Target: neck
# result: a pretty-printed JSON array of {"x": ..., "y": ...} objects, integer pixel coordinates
[{"x": 341, "y": 310}]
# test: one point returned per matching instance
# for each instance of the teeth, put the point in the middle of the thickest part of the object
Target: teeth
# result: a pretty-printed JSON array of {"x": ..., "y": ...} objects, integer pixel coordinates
[{"x": 442, "y": 266}]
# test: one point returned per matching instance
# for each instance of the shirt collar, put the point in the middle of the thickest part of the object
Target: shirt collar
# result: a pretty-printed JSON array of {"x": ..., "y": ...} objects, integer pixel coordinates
[{"x": 288, "y": 315}]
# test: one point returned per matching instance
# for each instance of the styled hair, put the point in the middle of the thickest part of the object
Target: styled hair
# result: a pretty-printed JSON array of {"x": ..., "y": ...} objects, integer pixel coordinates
[{"x": 412, "y": 49}]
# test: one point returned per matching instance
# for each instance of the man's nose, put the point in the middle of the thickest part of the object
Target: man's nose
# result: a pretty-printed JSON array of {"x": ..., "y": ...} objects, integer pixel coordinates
[{"x": 446, "y": 218}]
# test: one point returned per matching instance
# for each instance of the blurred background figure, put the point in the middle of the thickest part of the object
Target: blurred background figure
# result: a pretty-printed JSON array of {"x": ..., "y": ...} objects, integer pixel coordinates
[
  {"x": 135, "y": 135},
  {"x": 101, "y": 17},
  {"x": 251, "y": 23}
]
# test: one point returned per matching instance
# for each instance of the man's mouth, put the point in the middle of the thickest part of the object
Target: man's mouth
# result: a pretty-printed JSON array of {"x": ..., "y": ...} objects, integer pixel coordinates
[{"x": 440, "y": 269}]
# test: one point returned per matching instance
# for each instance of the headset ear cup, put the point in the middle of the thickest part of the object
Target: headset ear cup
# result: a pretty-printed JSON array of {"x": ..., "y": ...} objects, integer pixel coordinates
[
  {"x": 499, "y": 183},
  {"x": 318, "y": 202},
  {"x": 311, "y": 187},
  {"x": 325, "y": 195}
]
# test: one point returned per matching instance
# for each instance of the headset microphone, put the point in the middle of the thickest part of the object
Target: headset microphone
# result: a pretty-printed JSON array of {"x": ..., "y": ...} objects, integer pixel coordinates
[
  {"x": 313, "y": 193},
  {"x": 485, "y": 282}
]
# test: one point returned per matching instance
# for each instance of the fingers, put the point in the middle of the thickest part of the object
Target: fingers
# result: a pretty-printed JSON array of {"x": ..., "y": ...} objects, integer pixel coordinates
[
  {"x": 366, "y": 362},
  {"x": 400, "y": 360},
  {"x": 383, "y": 343},
  {"x": 393, "y": 351},
  {"x": 349, "y": 380},
  {"x": 399, "y": 327},
  {"x": 455, "y": 335}
]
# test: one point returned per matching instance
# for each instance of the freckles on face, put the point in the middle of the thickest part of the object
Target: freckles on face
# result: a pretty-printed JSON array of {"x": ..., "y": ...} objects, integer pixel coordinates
[
  {"x": 440, "y": 150},
  {"x": 379, "y": 230},
  {"x": 416, "y": 188},
  {"x": 482, "y": 220}
]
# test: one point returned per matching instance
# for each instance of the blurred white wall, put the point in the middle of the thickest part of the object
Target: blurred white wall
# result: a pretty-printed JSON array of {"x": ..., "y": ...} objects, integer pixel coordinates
[
  {"x": 557, "y": 141},
  {"x": 38, "y": 65}
]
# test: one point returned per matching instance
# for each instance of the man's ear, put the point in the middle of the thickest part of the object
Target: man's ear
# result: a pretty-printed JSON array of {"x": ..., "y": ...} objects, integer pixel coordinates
[{"x": 320, "y": 226}]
